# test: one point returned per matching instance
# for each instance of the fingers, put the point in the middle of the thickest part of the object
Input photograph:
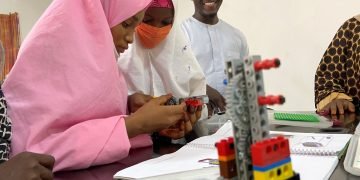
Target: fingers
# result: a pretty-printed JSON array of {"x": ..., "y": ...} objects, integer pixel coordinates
[
  {"x": 162, "y": 99},
  {"x": 351, "y": 118},
  {"x": 351, "y": 107},
  {"x": 147, "y": 98},
  {"x": 190, "y": 117},
  {"x": 340, "y": 107},
  {"x": 188, "y": 126},
  {"x": 177, "y": 109},
  {"x": 45, "y": 173},
  {"x": 182, "y": 125},
  {"x": 174, "y": 113},
  {"x": 45, "y": 160},
  {"x": 198, "y": 112},
  {"x": 191, "y": 109},
  {"x": 137, "y": 100},
  {"x": 333, "y": 108}
]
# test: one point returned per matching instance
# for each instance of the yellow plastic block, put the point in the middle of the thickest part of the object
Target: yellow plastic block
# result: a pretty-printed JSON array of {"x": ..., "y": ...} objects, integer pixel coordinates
[{"x": 278, "y": 173}]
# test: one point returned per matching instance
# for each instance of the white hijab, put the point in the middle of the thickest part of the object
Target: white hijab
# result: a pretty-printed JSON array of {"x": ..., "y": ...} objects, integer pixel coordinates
[{"x": 170, "y": 67}]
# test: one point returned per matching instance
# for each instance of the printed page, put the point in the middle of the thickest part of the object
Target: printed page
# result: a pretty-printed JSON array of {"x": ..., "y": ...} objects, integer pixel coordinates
[{"x": 315, "y": 143}]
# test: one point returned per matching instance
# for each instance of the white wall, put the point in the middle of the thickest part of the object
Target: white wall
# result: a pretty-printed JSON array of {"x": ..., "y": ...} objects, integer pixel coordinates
[
  {"x": 29, "y": 11},
  {"x": 296, "y": 31}
]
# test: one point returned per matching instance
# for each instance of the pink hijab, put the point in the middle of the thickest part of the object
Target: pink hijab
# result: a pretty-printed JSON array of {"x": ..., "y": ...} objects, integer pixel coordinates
[
  {"x": 65, "y": 93},
  {"x": 162, "y": 4}
]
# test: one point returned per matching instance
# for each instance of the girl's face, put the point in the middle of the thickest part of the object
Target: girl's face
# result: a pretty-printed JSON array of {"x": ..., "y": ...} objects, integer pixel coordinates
[
  {"x": 123, "y": 33},
  {"x": 159, "y": 17}
]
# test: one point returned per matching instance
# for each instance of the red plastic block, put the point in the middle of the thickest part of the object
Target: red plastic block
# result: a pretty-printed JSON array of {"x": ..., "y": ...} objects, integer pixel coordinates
[
  {"x": 226, "y": 153},
  {"x": 225, "y": 147},
  {"x": 266, "y": 64},
  {"x": 270, "y": 100},
  {"x": 269, "y": 151},
  {"x": 193, "y": 102}
]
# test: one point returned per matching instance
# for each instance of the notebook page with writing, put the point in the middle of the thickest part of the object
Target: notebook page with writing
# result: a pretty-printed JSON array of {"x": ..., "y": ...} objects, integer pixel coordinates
[
  {"x": 315, "y": 143},
  {"x": 300, "y": 143}
]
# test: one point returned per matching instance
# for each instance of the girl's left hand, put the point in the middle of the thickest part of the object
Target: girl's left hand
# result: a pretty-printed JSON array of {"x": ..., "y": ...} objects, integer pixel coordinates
[{"x": 178, "y": 131}]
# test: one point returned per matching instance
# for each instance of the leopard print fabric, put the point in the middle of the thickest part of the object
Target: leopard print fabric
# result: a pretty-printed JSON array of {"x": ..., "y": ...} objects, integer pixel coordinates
[
  {"x": 5, "y": 130},
  {"x": 338, "y": 70}
]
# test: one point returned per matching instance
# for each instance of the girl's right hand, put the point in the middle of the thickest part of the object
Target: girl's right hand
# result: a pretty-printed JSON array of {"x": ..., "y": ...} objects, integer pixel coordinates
[{"x": 154, "y": 116}]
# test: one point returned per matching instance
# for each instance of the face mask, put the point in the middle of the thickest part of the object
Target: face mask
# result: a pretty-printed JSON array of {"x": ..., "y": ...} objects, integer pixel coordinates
[{"x": 151, "y": 36}]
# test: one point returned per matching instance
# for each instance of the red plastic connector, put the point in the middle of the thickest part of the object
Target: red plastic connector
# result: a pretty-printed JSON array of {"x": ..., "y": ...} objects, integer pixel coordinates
[
  {"x": 270, "y": 100},
  {"x": 266, "y": 64}
]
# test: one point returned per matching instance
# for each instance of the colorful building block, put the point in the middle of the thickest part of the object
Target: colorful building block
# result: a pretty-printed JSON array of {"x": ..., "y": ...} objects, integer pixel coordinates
[
  {"x": 281, "y": 172},
  {"x": 225, "y": 147},
  {"x": 269, "y": 151},
  {"x": 226, "y": 153}
]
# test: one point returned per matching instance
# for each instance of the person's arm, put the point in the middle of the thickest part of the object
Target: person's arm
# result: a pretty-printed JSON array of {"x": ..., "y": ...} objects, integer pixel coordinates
[
  {"x": 331, "y": 74},
  {"x": 216, "y": 100},
  {"x": 91, "y": 142},
  {"x": 103, "y": 140}
]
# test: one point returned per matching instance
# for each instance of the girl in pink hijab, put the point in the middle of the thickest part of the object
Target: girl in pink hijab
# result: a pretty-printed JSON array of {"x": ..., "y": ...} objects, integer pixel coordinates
[{"x": 65, "y": 94}]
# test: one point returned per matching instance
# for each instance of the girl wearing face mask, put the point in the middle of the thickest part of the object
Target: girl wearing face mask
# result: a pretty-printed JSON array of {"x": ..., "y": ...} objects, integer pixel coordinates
[{"x": 160, "y": 61}]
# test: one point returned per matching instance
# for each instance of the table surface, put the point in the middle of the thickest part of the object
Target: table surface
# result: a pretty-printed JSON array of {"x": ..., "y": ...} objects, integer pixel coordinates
[{"x": 106, "y": 172}]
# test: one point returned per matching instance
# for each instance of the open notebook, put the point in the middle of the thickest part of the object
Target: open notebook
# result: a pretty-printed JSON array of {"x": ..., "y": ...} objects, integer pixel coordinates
[{"x": 314, "y": 156}]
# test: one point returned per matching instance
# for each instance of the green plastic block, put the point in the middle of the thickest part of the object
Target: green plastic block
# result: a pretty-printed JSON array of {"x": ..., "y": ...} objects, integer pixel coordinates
[{"x": 296, "y": 117}]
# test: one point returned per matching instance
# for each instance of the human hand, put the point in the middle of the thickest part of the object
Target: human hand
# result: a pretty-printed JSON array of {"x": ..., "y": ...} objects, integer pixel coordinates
[
  {"x": 347, "y": 120},
  {"x": 216, "y": 100},
  {"x": 339, "y": 106},
  {"x": 137, "y": 100},
  {"x": 174, "y": 132},
  {"x": 193, "y": 113},
  {"x": 184, "y": 126},
  {"x": 28, "y": 166},
  {"x": 154, "y": 116}
]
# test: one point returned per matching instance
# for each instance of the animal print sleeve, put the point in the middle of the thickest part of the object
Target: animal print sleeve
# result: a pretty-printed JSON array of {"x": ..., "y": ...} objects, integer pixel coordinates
[
  {"x": 5, "y": 130},
  {"x": 336, "y": 71}
]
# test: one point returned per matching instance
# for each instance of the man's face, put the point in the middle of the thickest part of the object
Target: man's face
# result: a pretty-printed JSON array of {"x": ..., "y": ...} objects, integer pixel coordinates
[{"x": 207, "y": 7}]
